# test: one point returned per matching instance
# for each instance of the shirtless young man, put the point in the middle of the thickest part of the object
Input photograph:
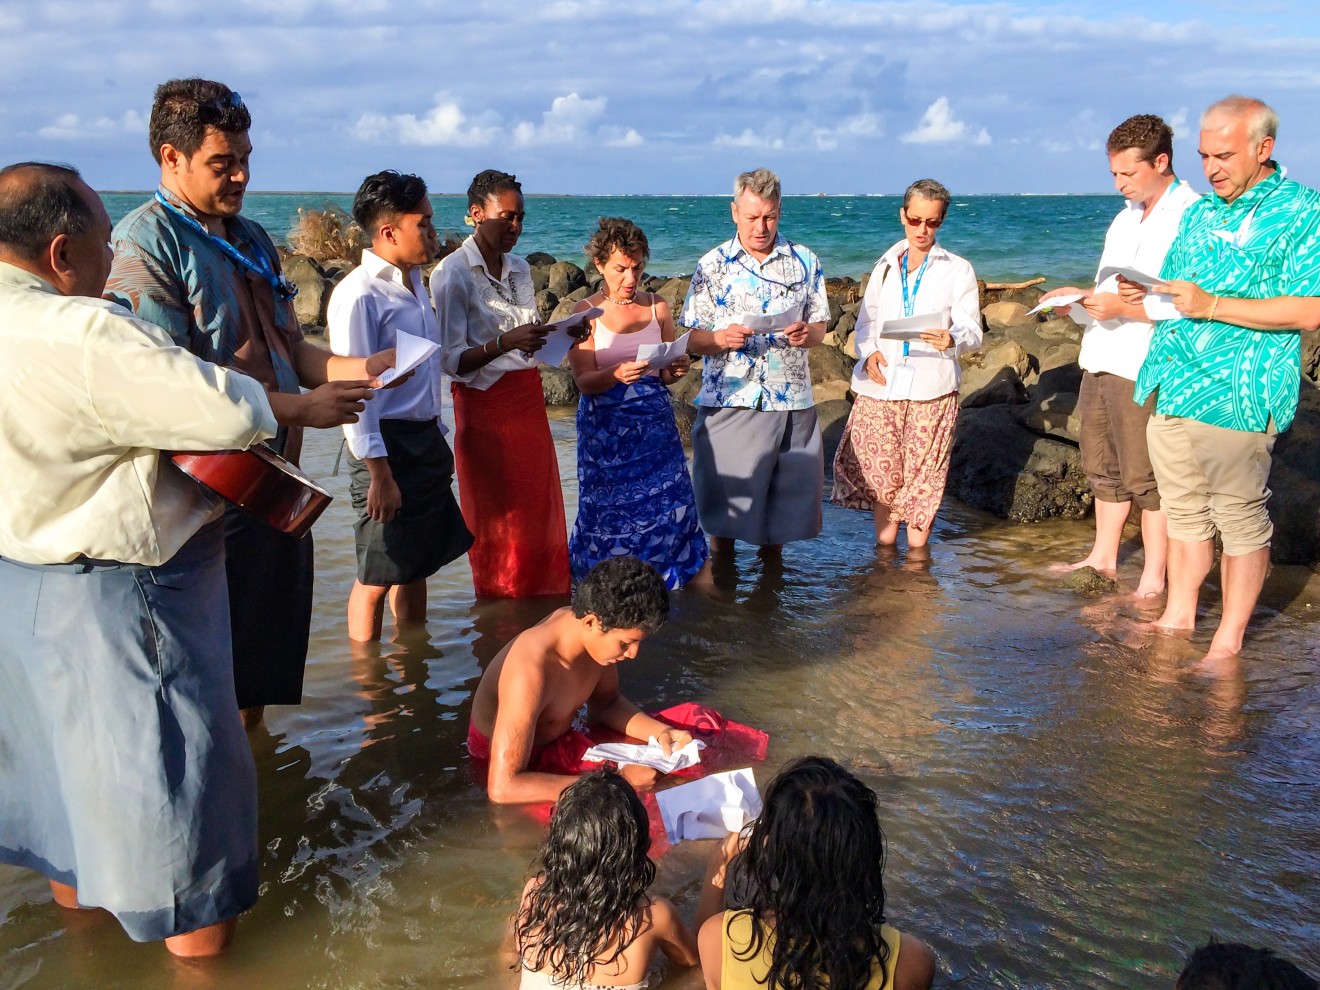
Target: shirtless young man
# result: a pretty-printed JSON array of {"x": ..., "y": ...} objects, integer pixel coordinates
[{"x": 531, "y": 693}]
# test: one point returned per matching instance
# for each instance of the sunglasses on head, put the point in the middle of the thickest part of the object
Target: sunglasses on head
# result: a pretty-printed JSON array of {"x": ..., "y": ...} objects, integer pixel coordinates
[
  {"x": 932, "y": 224},
  {"x": 214, "y": 111}
]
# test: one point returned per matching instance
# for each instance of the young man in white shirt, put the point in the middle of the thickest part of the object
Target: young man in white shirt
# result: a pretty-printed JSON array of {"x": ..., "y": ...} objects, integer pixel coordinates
[
  {"x": 1113, "y": 432},
  {"x": 409, "y": 524}
]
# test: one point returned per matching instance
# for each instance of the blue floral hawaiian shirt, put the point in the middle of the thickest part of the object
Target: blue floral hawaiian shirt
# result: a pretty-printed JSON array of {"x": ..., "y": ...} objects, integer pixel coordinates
[{"x": 730, "y": 285}]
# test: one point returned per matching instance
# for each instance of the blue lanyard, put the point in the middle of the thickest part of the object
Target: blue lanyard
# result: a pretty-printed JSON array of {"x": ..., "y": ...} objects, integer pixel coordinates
[
  {"x": 910, "y": 302},
  {"x": 789, "y": 286},
  {"x": 261, "y": 268}
]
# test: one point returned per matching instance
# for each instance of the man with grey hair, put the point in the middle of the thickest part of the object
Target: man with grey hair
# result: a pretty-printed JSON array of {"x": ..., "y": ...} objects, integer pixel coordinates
[
  {"x": 755, "y": 306},
  {"x": 1239, "y": 283},
  {"x": 125, "y": 777}
]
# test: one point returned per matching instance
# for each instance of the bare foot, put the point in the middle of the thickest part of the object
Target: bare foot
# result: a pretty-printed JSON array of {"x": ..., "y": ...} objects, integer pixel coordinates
[
  {"x": 1219, "y": 663},
  {"x": 1164, "y": 629},
  {"x": 1146, "y": 592},
  {"x": 1109, "y": 568}
]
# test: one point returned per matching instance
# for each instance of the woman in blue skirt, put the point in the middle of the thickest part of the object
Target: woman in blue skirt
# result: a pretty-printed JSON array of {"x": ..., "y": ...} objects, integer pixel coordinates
[{"x": 634, "y": 492}]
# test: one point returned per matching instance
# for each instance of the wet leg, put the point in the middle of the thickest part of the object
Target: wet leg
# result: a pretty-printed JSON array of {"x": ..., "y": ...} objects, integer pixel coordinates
[
  {"x": 408, "y": 604},
  {"x": 886, "y": 526},
  {"x": 209, "y": 941},
  {"x": 1189, "y": 564},
  {"x": 1155, "y": 549},
  {"x": 366, "y": 608},
  {"x": 1109, "y": 520},
  {"x": 1242, "y": 578}
]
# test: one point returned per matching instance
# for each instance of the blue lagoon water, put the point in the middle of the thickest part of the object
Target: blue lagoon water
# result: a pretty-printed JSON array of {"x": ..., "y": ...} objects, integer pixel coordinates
[{"x": 1005, "y": 237}]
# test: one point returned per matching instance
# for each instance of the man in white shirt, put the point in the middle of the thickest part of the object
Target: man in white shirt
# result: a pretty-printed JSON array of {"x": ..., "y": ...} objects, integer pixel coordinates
[
  {"x": 125, "y": 778},
  {"x": 1113, "y": 432},
  {"x": 409, "y": 524}
]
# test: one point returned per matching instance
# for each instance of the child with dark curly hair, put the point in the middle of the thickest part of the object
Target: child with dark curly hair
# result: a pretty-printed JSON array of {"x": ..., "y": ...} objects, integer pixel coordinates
[
  {"x": 810, "y": 874},
  {"x": 586, "y": 920},
  {"x": 523, "y": 709}
]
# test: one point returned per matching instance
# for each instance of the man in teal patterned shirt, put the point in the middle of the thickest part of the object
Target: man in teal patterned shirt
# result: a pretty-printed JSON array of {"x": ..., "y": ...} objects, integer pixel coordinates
[{"x": 1244, "y": 277}]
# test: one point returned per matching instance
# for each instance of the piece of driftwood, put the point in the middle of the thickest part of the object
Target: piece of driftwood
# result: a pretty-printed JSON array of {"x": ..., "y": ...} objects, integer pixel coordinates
[{"x": 1014, "y": 286}]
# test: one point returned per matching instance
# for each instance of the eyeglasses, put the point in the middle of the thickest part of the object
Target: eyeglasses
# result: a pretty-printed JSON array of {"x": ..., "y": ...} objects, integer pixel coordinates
[
  {"x": 214, "y": 111},
  {"x": 931, "y": 224}
]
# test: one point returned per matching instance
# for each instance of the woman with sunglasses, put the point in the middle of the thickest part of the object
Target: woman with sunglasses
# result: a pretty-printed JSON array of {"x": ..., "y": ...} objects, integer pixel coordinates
[{"x": 894, "y": 455}]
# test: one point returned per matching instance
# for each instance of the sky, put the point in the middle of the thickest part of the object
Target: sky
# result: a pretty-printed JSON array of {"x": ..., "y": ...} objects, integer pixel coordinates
[{"x": 671, "y": 96}]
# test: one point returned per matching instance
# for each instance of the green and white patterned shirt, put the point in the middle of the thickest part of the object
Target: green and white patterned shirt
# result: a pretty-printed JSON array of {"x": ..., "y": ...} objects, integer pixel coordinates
[{"x": 1264, "y": 244}]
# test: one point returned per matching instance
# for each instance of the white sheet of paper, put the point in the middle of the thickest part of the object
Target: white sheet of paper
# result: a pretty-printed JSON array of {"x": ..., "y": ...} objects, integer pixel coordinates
[
  {"x": 409, "y": 351},
  {"x": 1131, "y": 274},
  {"x": 773, "y": 323},
  {"x": 912, "y": 327},
  {"x": 663, "y": 355},
  {"x": 711, "y": 807},
  {"x": 650, "y": 755},
  {"x": 1160, "y": 307},
  {"x": 1057, "y": 303},
  {"x": 558, "y": 342}
]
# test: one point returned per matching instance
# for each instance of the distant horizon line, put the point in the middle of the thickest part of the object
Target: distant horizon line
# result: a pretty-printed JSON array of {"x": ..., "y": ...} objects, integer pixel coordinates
[{"x": 546, "y": 195}]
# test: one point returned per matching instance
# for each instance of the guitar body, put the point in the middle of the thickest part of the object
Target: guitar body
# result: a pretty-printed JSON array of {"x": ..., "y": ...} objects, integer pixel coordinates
[{"x": 260, "y": 482}]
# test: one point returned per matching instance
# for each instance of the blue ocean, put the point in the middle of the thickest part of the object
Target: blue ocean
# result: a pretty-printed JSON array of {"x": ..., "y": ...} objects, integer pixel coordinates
[{"x": 1006, "y": 238}]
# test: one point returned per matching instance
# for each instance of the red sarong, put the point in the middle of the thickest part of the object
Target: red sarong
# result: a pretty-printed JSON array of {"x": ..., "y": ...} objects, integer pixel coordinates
[
  {"x": 728, "y": 744},
  {"x": 508, "y": 486}
]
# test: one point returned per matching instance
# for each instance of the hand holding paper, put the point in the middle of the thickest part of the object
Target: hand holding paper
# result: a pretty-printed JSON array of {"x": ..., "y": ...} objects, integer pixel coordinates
[
  {"x": 709, "y": 808},
  {"x": 651, "y": 755},
  {"x": 410, "y": 351},
  {"x": 662, "y": 355},
  {"x": 564, "y": 334}
]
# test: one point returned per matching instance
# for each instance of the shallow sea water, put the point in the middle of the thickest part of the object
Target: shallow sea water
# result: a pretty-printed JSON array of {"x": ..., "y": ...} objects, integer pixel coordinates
[{"x": 1066, "y": 806}]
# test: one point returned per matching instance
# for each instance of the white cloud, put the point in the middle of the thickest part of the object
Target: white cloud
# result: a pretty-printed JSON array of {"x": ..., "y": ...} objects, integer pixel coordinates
[
  {"x": 563, "y": 123},
  {"x": 938, "y": 126},
  {"x": 863, "y": 125},
  {"x": 748, "y": 139},
  {"x": 71, "y": 126},
  {"x": 444, "y": 125},
  {"x": 1178, "y": 122},
  {"x": 618, "y": 137}
]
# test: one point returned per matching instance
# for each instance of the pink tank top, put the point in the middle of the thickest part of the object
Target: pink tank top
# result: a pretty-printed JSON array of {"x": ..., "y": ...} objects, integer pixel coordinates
[{"x": 615, "y": 348}]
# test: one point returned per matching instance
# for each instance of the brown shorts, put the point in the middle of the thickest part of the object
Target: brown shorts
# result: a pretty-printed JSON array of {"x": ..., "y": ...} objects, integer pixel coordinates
[{"x": 1113, "y": 444}]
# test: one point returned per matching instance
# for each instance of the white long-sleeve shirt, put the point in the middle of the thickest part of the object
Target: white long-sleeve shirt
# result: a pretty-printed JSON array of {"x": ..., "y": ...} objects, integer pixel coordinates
[
  {"x": 473, "y": 307},
  {"x": 1118, "y": 347},
  {"x": 948, "y": 286},
  {"x": 367, "y": 310},
  {"x": 90, "y": 397}
]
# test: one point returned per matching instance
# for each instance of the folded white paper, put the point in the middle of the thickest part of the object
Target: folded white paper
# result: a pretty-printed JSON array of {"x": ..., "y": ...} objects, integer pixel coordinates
[
  {"x": 1160, "y": 307},
  {"x": 663, "y": 355},
  {"x": 650, "y": 755},
  {"x": 558, "y": 342},
  {"x": 711, "y": 807},
  {"x": 1131, "y": 274},
  {"x": 409, "y": 351},
  {"x": 912, "y": 327}
]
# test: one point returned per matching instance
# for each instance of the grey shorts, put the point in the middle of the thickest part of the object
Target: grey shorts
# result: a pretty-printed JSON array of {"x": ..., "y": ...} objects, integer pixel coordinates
[{"x": 758, "y": 475}]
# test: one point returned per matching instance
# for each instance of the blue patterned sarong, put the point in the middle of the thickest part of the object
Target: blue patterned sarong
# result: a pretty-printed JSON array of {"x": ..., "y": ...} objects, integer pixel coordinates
[{"x": 634, "y": 493}]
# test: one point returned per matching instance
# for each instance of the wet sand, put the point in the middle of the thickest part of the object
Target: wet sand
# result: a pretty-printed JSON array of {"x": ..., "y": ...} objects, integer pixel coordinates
[{"x": 1066, "y": 805}]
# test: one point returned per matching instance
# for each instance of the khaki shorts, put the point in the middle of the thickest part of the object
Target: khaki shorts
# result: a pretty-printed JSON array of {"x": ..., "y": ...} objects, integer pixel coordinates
[
  {"x": 1212, "y": 479},
  {"x": 1113, "y": 442}
]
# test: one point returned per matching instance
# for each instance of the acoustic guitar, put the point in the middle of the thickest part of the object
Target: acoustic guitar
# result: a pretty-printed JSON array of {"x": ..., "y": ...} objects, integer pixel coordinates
[{"x": 260, "y": 482}]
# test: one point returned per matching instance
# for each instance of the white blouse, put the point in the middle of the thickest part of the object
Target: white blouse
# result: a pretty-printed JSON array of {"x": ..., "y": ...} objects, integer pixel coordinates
[{"x": 948, "y": 286}]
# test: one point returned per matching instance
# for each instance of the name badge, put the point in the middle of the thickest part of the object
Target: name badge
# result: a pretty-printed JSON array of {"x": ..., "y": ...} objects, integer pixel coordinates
[{"x": 900, "y": 382}]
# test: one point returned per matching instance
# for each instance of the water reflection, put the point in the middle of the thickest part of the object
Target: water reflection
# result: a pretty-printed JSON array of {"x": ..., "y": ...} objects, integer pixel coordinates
[{"x": 1067, "y": 804}]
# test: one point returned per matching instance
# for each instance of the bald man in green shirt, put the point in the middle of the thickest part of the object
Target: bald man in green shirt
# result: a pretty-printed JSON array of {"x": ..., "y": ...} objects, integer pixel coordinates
[{"x": 1244, "y": 277}]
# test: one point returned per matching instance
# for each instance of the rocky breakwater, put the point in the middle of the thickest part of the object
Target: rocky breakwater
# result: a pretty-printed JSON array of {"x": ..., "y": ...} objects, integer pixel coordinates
[{"x": 1015, "y": 450}]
